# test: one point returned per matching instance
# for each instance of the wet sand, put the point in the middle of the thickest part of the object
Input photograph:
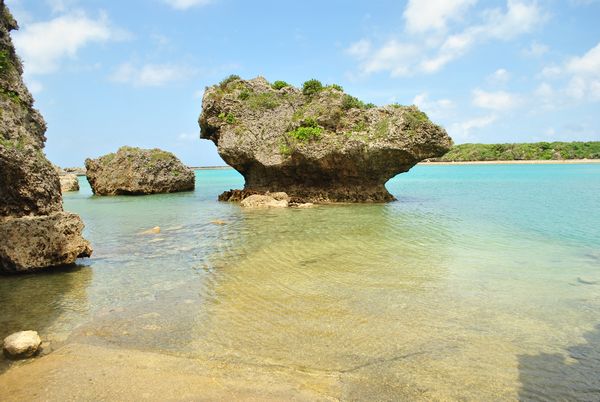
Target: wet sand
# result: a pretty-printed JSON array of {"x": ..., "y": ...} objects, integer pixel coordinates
[{"x": 86, "y": 372}]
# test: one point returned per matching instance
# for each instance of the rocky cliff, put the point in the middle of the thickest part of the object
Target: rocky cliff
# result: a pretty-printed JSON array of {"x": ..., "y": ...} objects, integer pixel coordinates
[
  {"x": 35, "y": 231},
  {"x": 136, "y": 171},
  {"x": 317, "y": 143}
]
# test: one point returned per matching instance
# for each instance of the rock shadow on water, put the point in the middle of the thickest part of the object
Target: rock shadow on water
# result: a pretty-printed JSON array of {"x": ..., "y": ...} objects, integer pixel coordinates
[
  {"x": 552, "y": 376},
  {"x": 37, "y": 301}
]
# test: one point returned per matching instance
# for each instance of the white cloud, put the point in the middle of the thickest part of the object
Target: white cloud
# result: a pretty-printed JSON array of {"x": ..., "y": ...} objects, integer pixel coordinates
[
  {"x": 499, "y": 77},
  {"x": 519, "y": 18},
  {"x": 551, "y": 71},
  {"x": 185, "y": 137},
  {"x": 544, "y": 90},
  {"x": 580, "y": 77},
  {"x": 455, "y": 46},
  {"x": 499, "y": 100},
  {"x": 430, "y": 54},
  {"x": 536, "y": 49},
  {"x": 35, "y": 87},
  {"x": 360, "y": 49},
  {"x": 546, "y": 97},
  {"x": 151, "y": 75},
  {"x": 588, "y": 64},
  {"x": 436, "y": 109},
  {"x": 60, "y": 6},
  {"x": 464, "y": 129},
  {"x": 425, "y": 15},
  {"x": 393, "y": 56},
  {"x": 43, "y": 45},
  {"x": 185, "y": 4},
  {"x": 585, "y": 75}
]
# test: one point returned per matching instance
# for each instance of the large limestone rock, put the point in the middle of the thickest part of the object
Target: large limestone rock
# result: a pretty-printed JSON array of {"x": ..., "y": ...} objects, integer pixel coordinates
[
  {"x": 21, "y": 344},
  {"x": 317, "y": 146},
  {"x": 136, "y": 171},
  {"x": 29, "y": 185}
]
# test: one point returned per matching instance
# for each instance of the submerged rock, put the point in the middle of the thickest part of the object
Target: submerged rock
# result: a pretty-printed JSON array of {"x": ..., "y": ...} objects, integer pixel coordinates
[
  {"x": 136, "y": 171},
  {"x": 31, "y": 211},
  {"x": 317, "y": 144},
  {"x": 22, "y": 344},
  {"x": 264, "y": 201},
  {"x": 154, "y": 230}
]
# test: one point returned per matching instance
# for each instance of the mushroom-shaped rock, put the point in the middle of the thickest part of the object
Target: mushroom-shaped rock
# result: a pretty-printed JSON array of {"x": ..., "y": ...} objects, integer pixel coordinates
[
  {"x": 317, "y": 144},
  {"x": 22, "y": 344},
  {"x": 136, "y": 171}
]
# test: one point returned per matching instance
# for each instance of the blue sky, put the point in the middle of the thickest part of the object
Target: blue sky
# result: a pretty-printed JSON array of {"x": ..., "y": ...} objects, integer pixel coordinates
[{"x": 112, "y": 73}]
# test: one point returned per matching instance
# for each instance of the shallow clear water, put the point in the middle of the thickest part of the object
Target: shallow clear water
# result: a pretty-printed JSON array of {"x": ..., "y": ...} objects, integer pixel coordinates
[{"x": 481, "y": 282}]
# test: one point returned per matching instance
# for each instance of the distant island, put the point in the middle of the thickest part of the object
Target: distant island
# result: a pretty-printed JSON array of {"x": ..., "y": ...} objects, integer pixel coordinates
[{"x": 540, "y": 151}]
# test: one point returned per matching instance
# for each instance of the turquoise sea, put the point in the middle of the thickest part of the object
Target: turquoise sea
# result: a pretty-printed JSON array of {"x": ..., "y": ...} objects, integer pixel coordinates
[{"x": 482, "y": 282}]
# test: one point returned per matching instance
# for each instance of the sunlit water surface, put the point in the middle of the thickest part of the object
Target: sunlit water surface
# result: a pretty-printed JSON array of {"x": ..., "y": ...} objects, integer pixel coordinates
[{"x": 480, "y": 282}]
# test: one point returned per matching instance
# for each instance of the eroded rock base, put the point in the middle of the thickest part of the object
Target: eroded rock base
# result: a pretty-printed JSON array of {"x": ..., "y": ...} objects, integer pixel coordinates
[
  {"x": 35, "y": 242},
  {"x": 317, "y": 195}
]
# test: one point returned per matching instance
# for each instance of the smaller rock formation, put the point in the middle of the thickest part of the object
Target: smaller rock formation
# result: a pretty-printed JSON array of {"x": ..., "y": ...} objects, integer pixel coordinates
[
  {"x": 68, "y": 181},
  {"x": 78, "y": 171},
  {"x": 22, "y": 344},
  {"x": 136, "y": 171}
]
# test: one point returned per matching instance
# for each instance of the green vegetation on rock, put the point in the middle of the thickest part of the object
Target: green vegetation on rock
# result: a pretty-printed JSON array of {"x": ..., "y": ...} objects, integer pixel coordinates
[
  {"x": 244, "y": 94},
  {"x": 227, "y": 80},
  {"x": 12, "y": 144},
  {"x": 308, "y": 130},
  {"x": 351, "y": 102},
  {"x": 10, "y": 95},
  {"x": 228, "y": 118},
  {"x": 525, "y": 151},
  {"x": 5, "y": 63},
  {"x": 285, "y": 149},
  {"x": 312, "y": 87},
  {"x": 264, "y": 100},
  {"x": 280, "y": 84}
]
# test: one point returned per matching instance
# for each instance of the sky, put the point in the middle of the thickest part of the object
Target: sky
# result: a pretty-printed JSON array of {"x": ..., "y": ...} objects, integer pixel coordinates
[{"x": 111, "y": 73}]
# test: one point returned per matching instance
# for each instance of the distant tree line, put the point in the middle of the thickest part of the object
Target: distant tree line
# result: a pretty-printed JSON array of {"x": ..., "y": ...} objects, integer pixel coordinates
[{"x": 525, "y": 151}]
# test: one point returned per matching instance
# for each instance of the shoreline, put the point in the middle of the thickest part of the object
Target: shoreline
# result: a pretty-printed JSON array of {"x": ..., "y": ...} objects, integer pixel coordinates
[
  {"x": 517, "y": 162},
  {"x": 499, "y": 162}
]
